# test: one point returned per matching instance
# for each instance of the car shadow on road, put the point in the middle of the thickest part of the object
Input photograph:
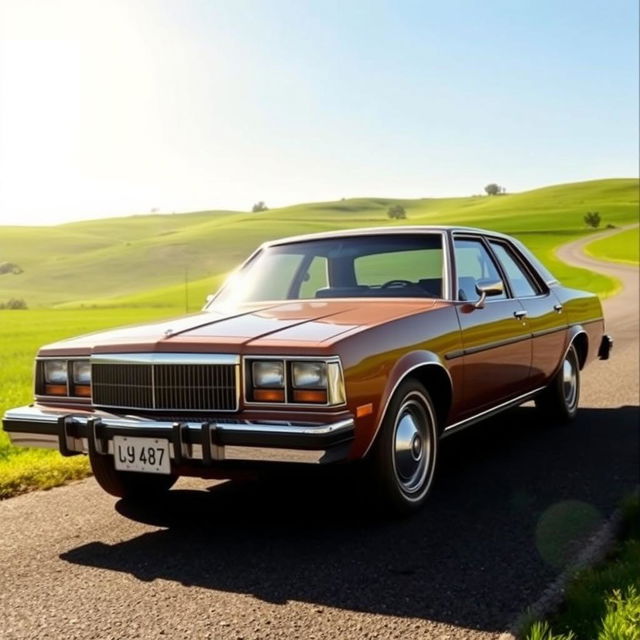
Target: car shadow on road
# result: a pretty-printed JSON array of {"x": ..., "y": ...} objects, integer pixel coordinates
[{"x": 512, "y": 497}]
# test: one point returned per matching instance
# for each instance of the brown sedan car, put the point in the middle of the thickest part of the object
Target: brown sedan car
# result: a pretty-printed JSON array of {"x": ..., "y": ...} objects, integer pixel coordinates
[{"x": 368, "y": 344}]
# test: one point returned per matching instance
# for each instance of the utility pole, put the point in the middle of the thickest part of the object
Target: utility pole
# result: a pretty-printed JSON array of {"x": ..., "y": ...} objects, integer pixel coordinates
[{"x": 186, "y": 289}]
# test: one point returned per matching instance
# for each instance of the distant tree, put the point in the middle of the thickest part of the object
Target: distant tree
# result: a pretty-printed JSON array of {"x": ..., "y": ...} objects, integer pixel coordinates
[
  {"x": 397, "y": 212},
  {"x": 13, "y": 303},
  {"x": 493, "y": 189},
  {"x": 592, "y": 219},
  {"x": 10, "y": 267},
  {"x": 259, "y": 206}
]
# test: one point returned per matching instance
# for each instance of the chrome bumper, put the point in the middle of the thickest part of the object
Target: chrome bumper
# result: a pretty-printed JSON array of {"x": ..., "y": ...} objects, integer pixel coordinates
[{"x": 205, "y": 442}]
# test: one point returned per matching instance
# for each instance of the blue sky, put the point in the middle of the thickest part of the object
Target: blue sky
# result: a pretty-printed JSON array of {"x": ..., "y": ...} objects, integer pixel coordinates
[{"x": 118, "y": 107}]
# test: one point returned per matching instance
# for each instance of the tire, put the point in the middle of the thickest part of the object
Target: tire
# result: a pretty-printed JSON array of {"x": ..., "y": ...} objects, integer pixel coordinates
[
  {"x": 128, "y": 484},
  {"x": 404, "y": 455},
  {"x": 559, "y": 401}
]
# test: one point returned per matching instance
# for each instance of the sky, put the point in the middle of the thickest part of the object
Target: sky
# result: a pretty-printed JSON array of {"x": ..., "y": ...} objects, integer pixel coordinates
[{"x": 117, "y": 107}]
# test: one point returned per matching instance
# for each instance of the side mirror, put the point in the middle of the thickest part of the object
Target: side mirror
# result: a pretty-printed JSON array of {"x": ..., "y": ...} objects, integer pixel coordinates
[{"x": 486, "y": 288}]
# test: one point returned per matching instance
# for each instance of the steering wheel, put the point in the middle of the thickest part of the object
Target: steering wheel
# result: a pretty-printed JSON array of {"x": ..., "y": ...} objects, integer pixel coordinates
[{"x": 392, "y": 284}]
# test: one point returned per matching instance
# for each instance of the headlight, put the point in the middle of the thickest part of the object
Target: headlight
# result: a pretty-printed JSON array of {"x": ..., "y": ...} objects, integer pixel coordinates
[
  {"x": 81, "y": 372},
  {"x": 309, "y": 375},
  {"x": 55, "y": 372},
  {"x": 268, "y": 374}
]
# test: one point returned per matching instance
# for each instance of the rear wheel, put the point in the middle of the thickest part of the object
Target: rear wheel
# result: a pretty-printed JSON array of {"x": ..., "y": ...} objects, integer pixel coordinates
[
  {"x": 559, "y": 401},
  {"x": 405, "y": 452},
  {"x": 128, "y": 484}
]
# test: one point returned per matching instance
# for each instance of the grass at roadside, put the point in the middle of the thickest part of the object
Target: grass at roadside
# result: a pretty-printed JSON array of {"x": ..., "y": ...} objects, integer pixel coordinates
[
  {"x": 603, "y": 602},
  {"x": 21, "y": 333},
  {"x": 621, "y": 247}
]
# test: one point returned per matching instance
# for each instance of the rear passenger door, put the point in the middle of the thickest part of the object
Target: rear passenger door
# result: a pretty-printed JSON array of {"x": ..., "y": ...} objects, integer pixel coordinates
[
  {"x": 544, "y": 313},
  {"x": 496, "y": 338}
]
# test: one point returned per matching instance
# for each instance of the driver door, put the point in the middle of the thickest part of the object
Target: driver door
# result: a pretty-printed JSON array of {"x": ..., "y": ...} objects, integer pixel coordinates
[{"x": 496, "y": 338}]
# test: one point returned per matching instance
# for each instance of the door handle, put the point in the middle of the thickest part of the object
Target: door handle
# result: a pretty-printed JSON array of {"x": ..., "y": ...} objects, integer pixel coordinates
[
  {"x": 519, "y": 314},
  {"x": 557, "y": 307}
]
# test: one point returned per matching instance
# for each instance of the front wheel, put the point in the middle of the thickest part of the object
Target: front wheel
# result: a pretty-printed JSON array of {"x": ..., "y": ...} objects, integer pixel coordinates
[
  {"x": 405, "y": 452},
  {"x": 559, "y": 401},
  {"x": 130, "y": 485}
]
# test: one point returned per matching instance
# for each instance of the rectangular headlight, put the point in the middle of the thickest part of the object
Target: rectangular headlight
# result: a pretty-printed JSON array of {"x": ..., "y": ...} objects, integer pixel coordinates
[
  {"x": 309, "y": 375},
  {"x": 268, "y": 374},
  {"x": 81, "y": 372},
  {"x": 55, "y": 372}
]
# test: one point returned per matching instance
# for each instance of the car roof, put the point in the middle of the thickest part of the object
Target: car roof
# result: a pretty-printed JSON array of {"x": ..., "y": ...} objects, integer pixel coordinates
[{"x": 370, "y": 231}]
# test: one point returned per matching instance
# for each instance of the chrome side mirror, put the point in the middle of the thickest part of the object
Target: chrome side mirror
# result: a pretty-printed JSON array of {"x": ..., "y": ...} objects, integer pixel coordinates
[{"x": 486, "y": 288}]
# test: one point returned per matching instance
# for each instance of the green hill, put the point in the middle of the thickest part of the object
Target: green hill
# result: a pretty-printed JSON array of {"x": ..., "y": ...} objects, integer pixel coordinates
[{"x": 143, "y": 260}]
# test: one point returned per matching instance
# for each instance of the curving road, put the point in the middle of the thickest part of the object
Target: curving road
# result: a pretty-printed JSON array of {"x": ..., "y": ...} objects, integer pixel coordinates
[{"x": 513, "y": 499}]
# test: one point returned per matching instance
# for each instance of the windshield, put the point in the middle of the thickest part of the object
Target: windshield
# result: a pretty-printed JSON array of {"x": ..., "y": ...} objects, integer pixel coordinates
[{"x": 394, "y": 265}]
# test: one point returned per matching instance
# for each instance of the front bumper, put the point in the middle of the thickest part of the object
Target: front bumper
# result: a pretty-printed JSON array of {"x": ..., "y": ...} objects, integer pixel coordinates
[{"x": 206, "y": 443}]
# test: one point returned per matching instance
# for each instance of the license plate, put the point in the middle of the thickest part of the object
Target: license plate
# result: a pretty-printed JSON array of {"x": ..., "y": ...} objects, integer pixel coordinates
[{"x": 149, "y": 455}]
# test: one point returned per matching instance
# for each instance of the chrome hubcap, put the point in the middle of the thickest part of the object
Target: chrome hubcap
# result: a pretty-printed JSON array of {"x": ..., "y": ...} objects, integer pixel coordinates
[
  {"x": 569, "y": 382},
  {"x": 412, "y": 445}
]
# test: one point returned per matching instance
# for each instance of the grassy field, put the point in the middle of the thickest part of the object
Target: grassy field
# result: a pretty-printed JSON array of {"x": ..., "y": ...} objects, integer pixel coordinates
[
  {"x": 21, "y": 333},
  {"x": 621, "y": 247},
  {"x": 143, "y": 260},
  {"x": 602, "y": 602},
  {"x": 95, "y": 274}
]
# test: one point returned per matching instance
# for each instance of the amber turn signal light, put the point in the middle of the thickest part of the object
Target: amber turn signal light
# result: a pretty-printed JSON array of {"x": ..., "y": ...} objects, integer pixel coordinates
[
  {"x": 268, "y": 395},
  {"x": 82, "y": 390},
  {"x": 55, "y": 389},
  {"x": 310, "y": 396}
]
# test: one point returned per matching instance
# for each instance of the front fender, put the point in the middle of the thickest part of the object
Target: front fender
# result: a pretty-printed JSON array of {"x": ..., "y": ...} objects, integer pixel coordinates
[{"x": 402, "y": 368}]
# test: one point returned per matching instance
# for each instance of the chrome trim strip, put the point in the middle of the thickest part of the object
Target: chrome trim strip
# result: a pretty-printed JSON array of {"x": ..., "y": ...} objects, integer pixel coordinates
[
  {"x": 583, "y": 322},
  {"x": 165, "y": 358},
  {"x": 496, "y": 344},
  {"x": 545, "y": 332},
  {"x": 487, "y": 413},
  {"x": 489, "y": 345}
]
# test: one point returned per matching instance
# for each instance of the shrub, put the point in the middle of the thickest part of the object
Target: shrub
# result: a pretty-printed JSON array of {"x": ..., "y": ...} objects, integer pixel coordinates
[
  {"x": 592, "y": 219},
  {"x": 397, "y": 212},
  {"x": 13, "y": 303}
]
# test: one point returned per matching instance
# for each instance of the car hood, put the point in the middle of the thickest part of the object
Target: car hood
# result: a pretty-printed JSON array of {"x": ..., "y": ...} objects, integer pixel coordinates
[{"x": 246, "y": 327}]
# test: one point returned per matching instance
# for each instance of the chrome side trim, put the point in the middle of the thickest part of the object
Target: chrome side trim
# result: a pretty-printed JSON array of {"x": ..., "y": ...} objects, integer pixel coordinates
[
  {"x": 489, "y": 345},
  {"x": 487, "y": 413},
  {"x": 546, "y": 332},
  {"x": 165, "y": 358},
  {"x": 583, "y": 322}
]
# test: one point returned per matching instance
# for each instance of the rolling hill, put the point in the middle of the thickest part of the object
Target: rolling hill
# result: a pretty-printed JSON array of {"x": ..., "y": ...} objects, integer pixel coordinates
[{"x": 143, "y": 260}]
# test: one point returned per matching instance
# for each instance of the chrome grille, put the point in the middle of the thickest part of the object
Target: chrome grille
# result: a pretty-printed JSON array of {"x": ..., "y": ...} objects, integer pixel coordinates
[{"x": 165, "y": 386}]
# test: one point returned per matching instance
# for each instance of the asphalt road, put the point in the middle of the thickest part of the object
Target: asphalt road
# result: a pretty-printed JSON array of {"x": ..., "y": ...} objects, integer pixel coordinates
[{"x": 512, "y": 501}]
